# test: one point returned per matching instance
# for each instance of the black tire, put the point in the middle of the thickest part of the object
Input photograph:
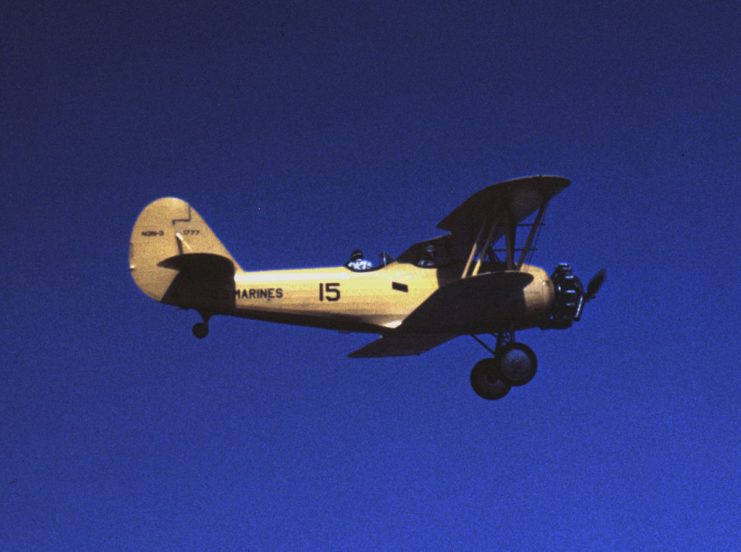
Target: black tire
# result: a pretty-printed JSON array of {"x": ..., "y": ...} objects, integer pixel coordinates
[
  {"x": 486, "y": 381},
  {"x": 517, "y": 364},
  {"x": 200, "y": 330}
]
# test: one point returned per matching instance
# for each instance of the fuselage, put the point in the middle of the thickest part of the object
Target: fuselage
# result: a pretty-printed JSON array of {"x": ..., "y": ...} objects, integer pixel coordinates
[{"x": 375, "y": 301}]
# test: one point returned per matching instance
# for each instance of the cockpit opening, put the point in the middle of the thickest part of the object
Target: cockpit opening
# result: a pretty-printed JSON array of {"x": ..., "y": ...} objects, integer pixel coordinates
[{"x": 358, "y": 262}]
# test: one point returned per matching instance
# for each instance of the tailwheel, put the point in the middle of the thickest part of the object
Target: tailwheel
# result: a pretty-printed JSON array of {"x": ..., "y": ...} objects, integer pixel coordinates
[
  {"x": 517, "y": 364},
  {"x": 200, "y": 330},
  {"x": 486, "y": 380}
]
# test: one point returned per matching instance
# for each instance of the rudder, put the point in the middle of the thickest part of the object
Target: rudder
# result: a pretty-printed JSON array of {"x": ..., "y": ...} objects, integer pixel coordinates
[{"x": 166, "y": 228}]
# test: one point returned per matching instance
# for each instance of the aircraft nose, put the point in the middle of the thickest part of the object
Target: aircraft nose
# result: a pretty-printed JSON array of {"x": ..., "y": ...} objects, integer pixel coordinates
[{"x": 569, "y": 297}]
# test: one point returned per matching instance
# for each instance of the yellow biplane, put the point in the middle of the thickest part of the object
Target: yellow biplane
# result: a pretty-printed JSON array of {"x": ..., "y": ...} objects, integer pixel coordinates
[{"x": 456, "y": 284}]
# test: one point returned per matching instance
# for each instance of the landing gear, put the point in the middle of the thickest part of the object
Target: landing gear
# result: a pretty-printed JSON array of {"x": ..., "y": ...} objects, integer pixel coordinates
[
  {"x": 517, "y": 364},
  {"x": 487, "y": 382},
  {"x": 512, "y": 365},
  {"x": 200, "y": 329}
]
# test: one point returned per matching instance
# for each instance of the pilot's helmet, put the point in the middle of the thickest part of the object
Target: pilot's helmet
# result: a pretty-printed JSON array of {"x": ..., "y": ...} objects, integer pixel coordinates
[{"x": 356, "y": 255}]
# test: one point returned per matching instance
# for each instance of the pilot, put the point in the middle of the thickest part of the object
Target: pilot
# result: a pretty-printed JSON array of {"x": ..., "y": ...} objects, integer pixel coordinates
[
  {"x": 428, "y": 257},
  {"x": 359, "y": 262}
]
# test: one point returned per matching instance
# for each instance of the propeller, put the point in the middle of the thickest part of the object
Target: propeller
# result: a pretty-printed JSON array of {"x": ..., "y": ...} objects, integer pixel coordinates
[{"x": 594, "y": 285}]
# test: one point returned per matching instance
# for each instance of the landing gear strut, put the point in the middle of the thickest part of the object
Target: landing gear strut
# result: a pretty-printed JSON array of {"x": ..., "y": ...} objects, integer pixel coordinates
[
  {"x": 513, "y": 364},
  {"x": 200, "y": 329}
]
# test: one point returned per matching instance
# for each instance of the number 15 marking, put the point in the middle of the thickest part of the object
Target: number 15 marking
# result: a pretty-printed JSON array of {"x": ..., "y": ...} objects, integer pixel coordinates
[{"x": 329, "y": 292}]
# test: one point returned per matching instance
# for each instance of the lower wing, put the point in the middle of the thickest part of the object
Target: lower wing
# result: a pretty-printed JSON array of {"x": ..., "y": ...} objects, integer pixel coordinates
[{"x": 401, "y": 345}]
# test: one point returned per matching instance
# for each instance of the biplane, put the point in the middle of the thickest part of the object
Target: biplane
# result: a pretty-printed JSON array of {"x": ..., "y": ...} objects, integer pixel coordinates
[{"x": 474, "y": 280}]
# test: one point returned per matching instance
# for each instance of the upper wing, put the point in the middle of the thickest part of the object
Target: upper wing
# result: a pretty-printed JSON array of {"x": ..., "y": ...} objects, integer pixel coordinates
[
  {"x": 489, "y": 214},
  {"x": 519, "y": 198}
]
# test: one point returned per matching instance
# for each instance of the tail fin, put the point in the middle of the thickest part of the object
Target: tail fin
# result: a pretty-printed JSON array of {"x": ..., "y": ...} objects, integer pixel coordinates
[{"x": 169, "y": 228}]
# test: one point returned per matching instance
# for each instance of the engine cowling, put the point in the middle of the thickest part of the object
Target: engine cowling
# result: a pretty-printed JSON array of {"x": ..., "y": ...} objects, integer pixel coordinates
[{"x": 568, "y": 298}]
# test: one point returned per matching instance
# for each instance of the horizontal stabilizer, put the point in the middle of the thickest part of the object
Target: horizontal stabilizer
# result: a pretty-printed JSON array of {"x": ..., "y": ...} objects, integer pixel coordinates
[
  {"x": 206, "y": 263},
  {"x": 204, "y": 280}
]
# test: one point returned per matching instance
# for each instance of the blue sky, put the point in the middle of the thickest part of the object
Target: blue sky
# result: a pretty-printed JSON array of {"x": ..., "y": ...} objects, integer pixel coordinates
[{"x": 301, "y": 131}]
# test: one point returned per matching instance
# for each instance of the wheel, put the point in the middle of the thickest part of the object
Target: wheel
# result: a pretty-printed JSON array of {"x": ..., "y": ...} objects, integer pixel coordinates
[
  {"x": 200, "y": 330},
  {"x": 517, "y": 364},
  {"x": 486, "y": 381}
]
